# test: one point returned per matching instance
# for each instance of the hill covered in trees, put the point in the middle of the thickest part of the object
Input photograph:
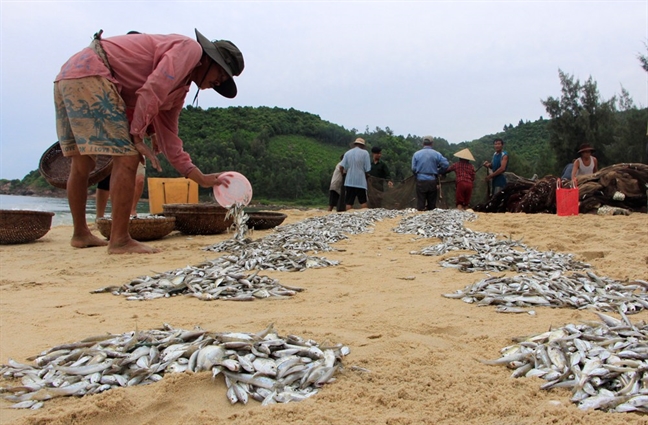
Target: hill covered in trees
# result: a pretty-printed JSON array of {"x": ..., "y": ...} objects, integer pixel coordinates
[{"x": 289, "y": 155}]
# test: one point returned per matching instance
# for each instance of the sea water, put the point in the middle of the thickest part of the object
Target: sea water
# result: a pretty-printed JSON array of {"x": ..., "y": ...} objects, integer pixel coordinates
[{"x": 59, "y": 206}]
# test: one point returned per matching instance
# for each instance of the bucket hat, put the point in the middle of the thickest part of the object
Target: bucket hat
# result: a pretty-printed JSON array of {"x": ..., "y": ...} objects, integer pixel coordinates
[
  {"x": 465, "y": 154},
  {"x": 585, "y": 147},
  {"x": 360, "y": 141},
  {"x": 228, "y": 56}
]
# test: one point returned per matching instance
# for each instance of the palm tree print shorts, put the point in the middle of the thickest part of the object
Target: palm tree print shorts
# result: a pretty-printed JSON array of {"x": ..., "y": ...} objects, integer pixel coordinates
[{"x": 91, "y": 118}]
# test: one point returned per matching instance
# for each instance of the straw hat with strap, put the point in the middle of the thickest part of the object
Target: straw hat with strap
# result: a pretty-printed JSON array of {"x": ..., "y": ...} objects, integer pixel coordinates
[{"x": 465, "y": 154}]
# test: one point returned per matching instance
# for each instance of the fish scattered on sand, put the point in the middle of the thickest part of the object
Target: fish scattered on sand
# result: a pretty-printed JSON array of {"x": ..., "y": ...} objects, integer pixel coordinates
[
  {"x": 228, "y": 277},
  {"x": 492, "y": 253},
  {"x": 556, "y": 289},
  {"x": 263, "y": 366},
  {"x": 604, "y": 364}
]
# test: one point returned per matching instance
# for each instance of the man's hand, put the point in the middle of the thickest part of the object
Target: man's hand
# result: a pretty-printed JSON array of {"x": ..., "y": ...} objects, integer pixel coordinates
[
  {"x": 208, "y": 180},
  {"x": 146, "y": 152}
]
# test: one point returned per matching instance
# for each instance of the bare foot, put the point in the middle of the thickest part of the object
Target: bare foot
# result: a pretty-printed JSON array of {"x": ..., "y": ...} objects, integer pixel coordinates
[
  {"x": 131, "y": 247},
  {"x": 87, "y": 241}
]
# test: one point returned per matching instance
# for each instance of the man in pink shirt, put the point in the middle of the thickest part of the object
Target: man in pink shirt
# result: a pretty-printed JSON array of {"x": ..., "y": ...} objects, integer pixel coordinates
[{"x": 150, "y": 74}]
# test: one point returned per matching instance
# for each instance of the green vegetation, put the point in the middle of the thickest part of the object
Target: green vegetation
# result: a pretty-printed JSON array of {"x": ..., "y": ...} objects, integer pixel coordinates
[{"x": 289, "y": 155}]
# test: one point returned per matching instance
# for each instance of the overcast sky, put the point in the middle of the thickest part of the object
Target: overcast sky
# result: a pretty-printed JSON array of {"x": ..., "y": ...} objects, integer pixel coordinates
[{"x": 457, "y": 70}]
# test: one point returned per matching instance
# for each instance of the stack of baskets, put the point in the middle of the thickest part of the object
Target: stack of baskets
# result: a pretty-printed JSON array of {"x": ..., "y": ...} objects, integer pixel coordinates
[
  {"x": 198, "y": 219},
  {"x": 55, "y": 167},
  {"x": 141, "y": 229},
  {"x": 22, "y": 226}
]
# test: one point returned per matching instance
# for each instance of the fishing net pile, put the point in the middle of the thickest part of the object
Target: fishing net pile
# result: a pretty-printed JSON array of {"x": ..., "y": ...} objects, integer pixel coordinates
[{"x": 617, "y": 189}]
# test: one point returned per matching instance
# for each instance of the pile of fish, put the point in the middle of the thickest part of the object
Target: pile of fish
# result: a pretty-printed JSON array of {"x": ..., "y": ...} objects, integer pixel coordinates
[
  {"x": 437, "y": 223},
  {"x": 218, "y": 279},
  {"x": 545, "y": 282},
  {"x": 556, "y": 289},
  {"x": 239, "y": 221},
  {"x": 286, "y": 248},
  {"x": 605, "y": 364},
  {"x": 228, "y": 277},
  {"x": 263, "y": 366},
  {"x": 503, "y": 256},
  {"x": 491, "y": 252}
]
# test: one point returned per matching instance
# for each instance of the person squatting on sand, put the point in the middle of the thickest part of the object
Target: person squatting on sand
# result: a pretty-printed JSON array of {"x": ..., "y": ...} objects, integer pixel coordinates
[
  {"x": 427, "y": 164},
  {"x": 356, "y": 164},
  {"x": 152, "y": 74},
  {"x": 464, "y": 178}
]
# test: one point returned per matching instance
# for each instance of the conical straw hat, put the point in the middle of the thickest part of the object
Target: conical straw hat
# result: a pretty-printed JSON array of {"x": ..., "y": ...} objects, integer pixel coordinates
[{"x": 465, "y": 154}]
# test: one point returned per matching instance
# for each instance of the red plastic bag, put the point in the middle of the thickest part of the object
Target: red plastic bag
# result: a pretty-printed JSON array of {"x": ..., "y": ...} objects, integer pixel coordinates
[{"x": 566, "y": 199}]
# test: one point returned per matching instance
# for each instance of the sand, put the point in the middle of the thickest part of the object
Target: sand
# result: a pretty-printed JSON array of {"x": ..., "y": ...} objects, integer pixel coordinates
[{"x": 420, "y": 348}]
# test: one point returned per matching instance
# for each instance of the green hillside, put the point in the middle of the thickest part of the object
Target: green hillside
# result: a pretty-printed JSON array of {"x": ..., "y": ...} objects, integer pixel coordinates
[{"x": 289, "y": 155}]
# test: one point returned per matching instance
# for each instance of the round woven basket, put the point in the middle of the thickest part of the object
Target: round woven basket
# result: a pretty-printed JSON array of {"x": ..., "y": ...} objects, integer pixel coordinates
[
  {"x": 141, "y": 229},
  {"x": 22, "y": 226},
  {"x": 262, "y": 220},
  {"x": 55, "y": 167},
  {"x": 198, "y": 219}
]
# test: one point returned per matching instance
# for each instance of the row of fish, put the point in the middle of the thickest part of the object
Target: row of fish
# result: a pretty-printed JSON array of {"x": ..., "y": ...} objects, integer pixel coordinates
[
  {"x": 491, "y": 252},
  {"x": 546, "y": 280},
  {"x": 263, "y": 366},
  {"x": 556, "y": 289},
  {"x": 604, "y": 364},
  {"x": 229, "y": 278}
]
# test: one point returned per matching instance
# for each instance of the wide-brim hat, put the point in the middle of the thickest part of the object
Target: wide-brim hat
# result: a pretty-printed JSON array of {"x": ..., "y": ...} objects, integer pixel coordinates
[
  {"x": 229, "y": 57},
  {"x": 585, "y": 147},
  {"x": 465, "y": 154}
]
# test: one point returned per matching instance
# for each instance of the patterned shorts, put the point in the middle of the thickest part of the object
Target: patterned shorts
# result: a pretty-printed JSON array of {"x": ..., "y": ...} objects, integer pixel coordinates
[{"x": 91, "y": 118}]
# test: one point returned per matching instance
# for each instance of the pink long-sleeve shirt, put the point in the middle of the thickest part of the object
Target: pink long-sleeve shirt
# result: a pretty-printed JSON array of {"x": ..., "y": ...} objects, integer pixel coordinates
[{"x": 152, "y": 73}]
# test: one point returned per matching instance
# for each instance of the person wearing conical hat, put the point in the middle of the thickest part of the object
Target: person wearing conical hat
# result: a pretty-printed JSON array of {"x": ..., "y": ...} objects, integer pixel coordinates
[
  {"x": 464, "y": 178},
  {"x": 586, "y": 164},
  {"x": 151, "y": 74}
]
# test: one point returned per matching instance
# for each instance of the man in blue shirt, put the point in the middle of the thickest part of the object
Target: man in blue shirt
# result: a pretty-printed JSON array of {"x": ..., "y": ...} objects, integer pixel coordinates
[
  {"x": 498, "y": 165},
  {"x": 427, "y": 164},
  {"x": 356, "y": 164}
]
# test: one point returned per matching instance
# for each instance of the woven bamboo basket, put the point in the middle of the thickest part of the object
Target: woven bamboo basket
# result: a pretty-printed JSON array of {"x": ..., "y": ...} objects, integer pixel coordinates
[
  {"x": 262, "y": 220},
  {"x": 141, "y": 229},
  {"x": 198, "y": 219},
  {"x": 22, "y": 226},
  {"x": 55, "y": 167}
]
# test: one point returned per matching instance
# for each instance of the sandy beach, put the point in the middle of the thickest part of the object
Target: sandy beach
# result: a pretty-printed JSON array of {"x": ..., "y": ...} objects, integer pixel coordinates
[{"x": 421, "y": 350}]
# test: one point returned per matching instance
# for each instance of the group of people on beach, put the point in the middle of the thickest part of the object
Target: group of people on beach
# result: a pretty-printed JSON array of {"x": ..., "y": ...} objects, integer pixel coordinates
[
  {"x": 112, "y": 95},
  {"x": 351, "y": 175},
  {"x": 355, "y": 169}
]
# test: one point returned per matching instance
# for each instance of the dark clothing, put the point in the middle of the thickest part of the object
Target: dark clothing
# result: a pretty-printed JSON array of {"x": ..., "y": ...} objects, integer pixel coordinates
[
  {"x": 353, "y": 192},
  {"x": 334, "y": 198},
  {"x": 379, "y": 169},
  {"x": 104, "y": 184},
  {"x": 426, "y": 194}
]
